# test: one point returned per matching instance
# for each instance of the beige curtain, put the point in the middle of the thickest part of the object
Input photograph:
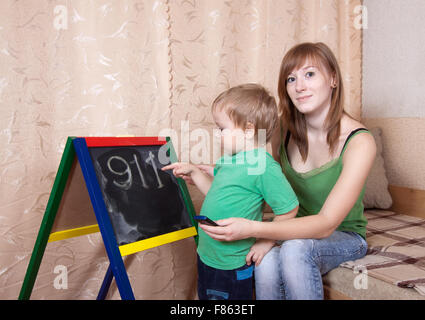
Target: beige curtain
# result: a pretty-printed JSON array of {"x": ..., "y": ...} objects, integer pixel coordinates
[{"x": 130, "y": 67}]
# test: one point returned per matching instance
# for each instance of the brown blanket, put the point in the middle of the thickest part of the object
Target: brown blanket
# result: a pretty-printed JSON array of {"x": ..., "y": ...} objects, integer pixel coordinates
[{"x": 396, "y": 251}]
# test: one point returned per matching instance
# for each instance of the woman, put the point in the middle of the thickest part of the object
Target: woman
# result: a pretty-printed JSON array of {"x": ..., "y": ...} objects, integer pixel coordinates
[{"x": 326, "y": 156}]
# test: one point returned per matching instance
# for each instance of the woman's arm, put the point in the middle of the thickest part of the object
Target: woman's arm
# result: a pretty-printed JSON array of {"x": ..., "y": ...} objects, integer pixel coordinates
[
  {"x": 357, "y": 162},
  {"x": 262, "y": 246}
]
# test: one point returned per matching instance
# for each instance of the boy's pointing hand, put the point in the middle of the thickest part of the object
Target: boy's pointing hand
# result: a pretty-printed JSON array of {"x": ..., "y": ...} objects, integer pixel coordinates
[{"x": 180, "y": 170}]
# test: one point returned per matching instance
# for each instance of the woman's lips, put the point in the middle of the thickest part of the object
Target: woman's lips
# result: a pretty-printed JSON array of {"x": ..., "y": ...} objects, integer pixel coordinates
[{"x": 303, "y": 98}]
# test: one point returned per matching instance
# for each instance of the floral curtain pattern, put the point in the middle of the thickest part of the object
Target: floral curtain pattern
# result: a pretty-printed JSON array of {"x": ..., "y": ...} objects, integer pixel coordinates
[{"x": 107, "y": 68}]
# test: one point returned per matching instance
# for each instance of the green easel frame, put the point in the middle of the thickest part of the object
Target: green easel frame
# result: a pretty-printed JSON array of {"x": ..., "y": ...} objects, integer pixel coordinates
[
  {"x": 48, "y": 219},
  {"x": 78, "y": 147}
]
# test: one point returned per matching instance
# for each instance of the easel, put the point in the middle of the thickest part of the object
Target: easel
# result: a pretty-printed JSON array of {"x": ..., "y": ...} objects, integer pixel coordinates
[{"x": 68, "y": 169}]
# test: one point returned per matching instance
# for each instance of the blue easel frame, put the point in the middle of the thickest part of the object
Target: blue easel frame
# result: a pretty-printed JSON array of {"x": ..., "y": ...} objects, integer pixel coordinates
[{"x": 116, "y": 262}]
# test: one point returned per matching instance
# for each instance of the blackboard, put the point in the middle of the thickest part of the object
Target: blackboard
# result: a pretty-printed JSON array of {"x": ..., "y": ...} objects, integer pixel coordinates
[
  {"x": 142, "y": 200},
  {"x": 136, "y": 205}
]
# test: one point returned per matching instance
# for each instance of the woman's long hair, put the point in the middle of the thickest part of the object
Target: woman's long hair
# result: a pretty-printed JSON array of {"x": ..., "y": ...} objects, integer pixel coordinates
[{"x": 320, "y": 54}]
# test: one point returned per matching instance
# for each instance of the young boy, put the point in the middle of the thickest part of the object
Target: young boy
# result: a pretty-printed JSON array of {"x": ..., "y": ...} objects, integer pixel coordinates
[{"x": 244, "y": 178}]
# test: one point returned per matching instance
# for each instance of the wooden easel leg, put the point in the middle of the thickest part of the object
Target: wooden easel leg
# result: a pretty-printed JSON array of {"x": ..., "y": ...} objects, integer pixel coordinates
[
  {"x": 102, "y": 217},
  {"x": 48, "y": 220},
  {"x": 105, "y": 285}
]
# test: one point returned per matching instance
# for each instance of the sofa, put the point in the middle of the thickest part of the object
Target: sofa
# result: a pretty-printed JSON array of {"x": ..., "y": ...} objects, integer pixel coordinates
[{"x": 394, "y": 266}]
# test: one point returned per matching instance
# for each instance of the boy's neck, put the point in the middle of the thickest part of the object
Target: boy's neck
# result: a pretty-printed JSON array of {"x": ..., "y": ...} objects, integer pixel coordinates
[{"x": 250, "y": 148}]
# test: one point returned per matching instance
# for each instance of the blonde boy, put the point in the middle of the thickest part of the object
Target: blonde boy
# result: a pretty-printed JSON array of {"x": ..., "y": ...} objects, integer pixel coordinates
[{"x": 245, "y": 177}]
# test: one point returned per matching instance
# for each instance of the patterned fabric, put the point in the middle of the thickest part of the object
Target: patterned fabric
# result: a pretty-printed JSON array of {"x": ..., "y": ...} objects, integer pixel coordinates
[
  {"x": 113, "y": 67},
  {"x": 396, "y": 251}
]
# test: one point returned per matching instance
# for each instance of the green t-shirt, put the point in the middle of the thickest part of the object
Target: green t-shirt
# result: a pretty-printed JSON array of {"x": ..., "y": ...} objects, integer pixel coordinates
[
  {"x": 313, "y": 187},
  {"x": 241, "y": 184}
]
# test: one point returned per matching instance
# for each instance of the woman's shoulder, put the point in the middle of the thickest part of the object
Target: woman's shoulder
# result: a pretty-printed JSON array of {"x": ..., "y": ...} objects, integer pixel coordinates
[
  {"x": 363, "y": 141},
  {"x": 350, "y": 126}
]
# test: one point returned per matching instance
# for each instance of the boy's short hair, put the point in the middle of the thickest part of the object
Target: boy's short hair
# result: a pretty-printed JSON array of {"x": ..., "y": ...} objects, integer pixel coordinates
[{"x": 249, "y": 103}]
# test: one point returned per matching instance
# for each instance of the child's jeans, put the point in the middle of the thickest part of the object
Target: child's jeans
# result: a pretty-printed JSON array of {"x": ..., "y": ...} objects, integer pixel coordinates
[
  {"x": 216, "y": 284},
  {"x": 294, "y": 270}
]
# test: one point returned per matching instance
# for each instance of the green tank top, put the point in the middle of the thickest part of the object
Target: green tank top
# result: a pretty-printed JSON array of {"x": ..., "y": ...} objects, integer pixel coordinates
[{"x": 313, "y": 187}]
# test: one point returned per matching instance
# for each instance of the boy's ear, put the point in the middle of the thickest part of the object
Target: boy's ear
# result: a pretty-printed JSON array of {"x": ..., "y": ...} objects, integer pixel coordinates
[{"x": 250, "y": 130}]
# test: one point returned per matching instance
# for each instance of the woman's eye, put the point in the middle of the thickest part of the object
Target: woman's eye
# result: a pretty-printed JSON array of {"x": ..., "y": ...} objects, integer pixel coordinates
[
  {"x": 290, "y": 80},
  {"x": 309, "y": 74}
]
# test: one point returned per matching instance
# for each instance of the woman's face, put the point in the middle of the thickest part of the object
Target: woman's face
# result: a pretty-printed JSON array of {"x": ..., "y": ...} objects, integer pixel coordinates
[{"x": 310, "y": 88}]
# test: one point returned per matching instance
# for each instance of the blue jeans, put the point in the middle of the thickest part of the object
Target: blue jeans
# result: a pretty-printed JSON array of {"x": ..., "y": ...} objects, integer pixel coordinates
[
  {"x": 216, "y": 284},
  {"x": 293, "y": 271}
]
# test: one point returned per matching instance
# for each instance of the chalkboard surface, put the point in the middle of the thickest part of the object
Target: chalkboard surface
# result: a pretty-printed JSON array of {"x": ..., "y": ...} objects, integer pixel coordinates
[{"x": 142, "y": 200}]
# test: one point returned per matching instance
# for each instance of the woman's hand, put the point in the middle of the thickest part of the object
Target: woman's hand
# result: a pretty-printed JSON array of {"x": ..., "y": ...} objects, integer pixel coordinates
[
  {"x": 230, "y": 229},
  {"x": 258, "y": 251}
]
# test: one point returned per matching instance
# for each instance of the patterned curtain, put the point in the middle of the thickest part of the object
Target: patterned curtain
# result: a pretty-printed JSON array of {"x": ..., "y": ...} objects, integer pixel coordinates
[{"x": 132, "y": 67}]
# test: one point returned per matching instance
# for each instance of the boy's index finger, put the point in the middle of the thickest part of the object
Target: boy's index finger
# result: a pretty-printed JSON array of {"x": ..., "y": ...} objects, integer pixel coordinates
[{"x": 170, "y": 166}]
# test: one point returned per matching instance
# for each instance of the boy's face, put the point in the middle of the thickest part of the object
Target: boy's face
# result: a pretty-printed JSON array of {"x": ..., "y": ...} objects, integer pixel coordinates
[{"x": 233, "y": 139}]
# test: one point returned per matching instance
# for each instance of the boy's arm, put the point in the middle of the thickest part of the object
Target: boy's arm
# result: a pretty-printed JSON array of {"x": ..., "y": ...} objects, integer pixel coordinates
[
  {"x": 262, "y": 246},
  {"x": 258, "y": 251},
  {"x": 201, "y": 180},
  {"x": 205, "y": 168}
]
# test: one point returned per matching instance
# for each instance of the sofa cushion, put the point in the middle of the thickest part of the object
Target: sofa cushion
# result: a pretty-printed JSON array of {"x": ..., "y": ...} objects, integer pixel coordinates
[
  {"x": 396, "y": 256},
  {"x": 366, "y": 287},
  {"x": 376, "y": 193}
]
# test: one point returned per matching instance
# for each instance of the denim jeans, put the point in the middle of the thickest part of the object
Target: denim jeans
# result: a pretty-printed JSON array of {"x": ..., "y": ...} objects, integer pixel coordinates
[
  {"x": 293, "y": 271},
  {"x": 216, "y": 284}
]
